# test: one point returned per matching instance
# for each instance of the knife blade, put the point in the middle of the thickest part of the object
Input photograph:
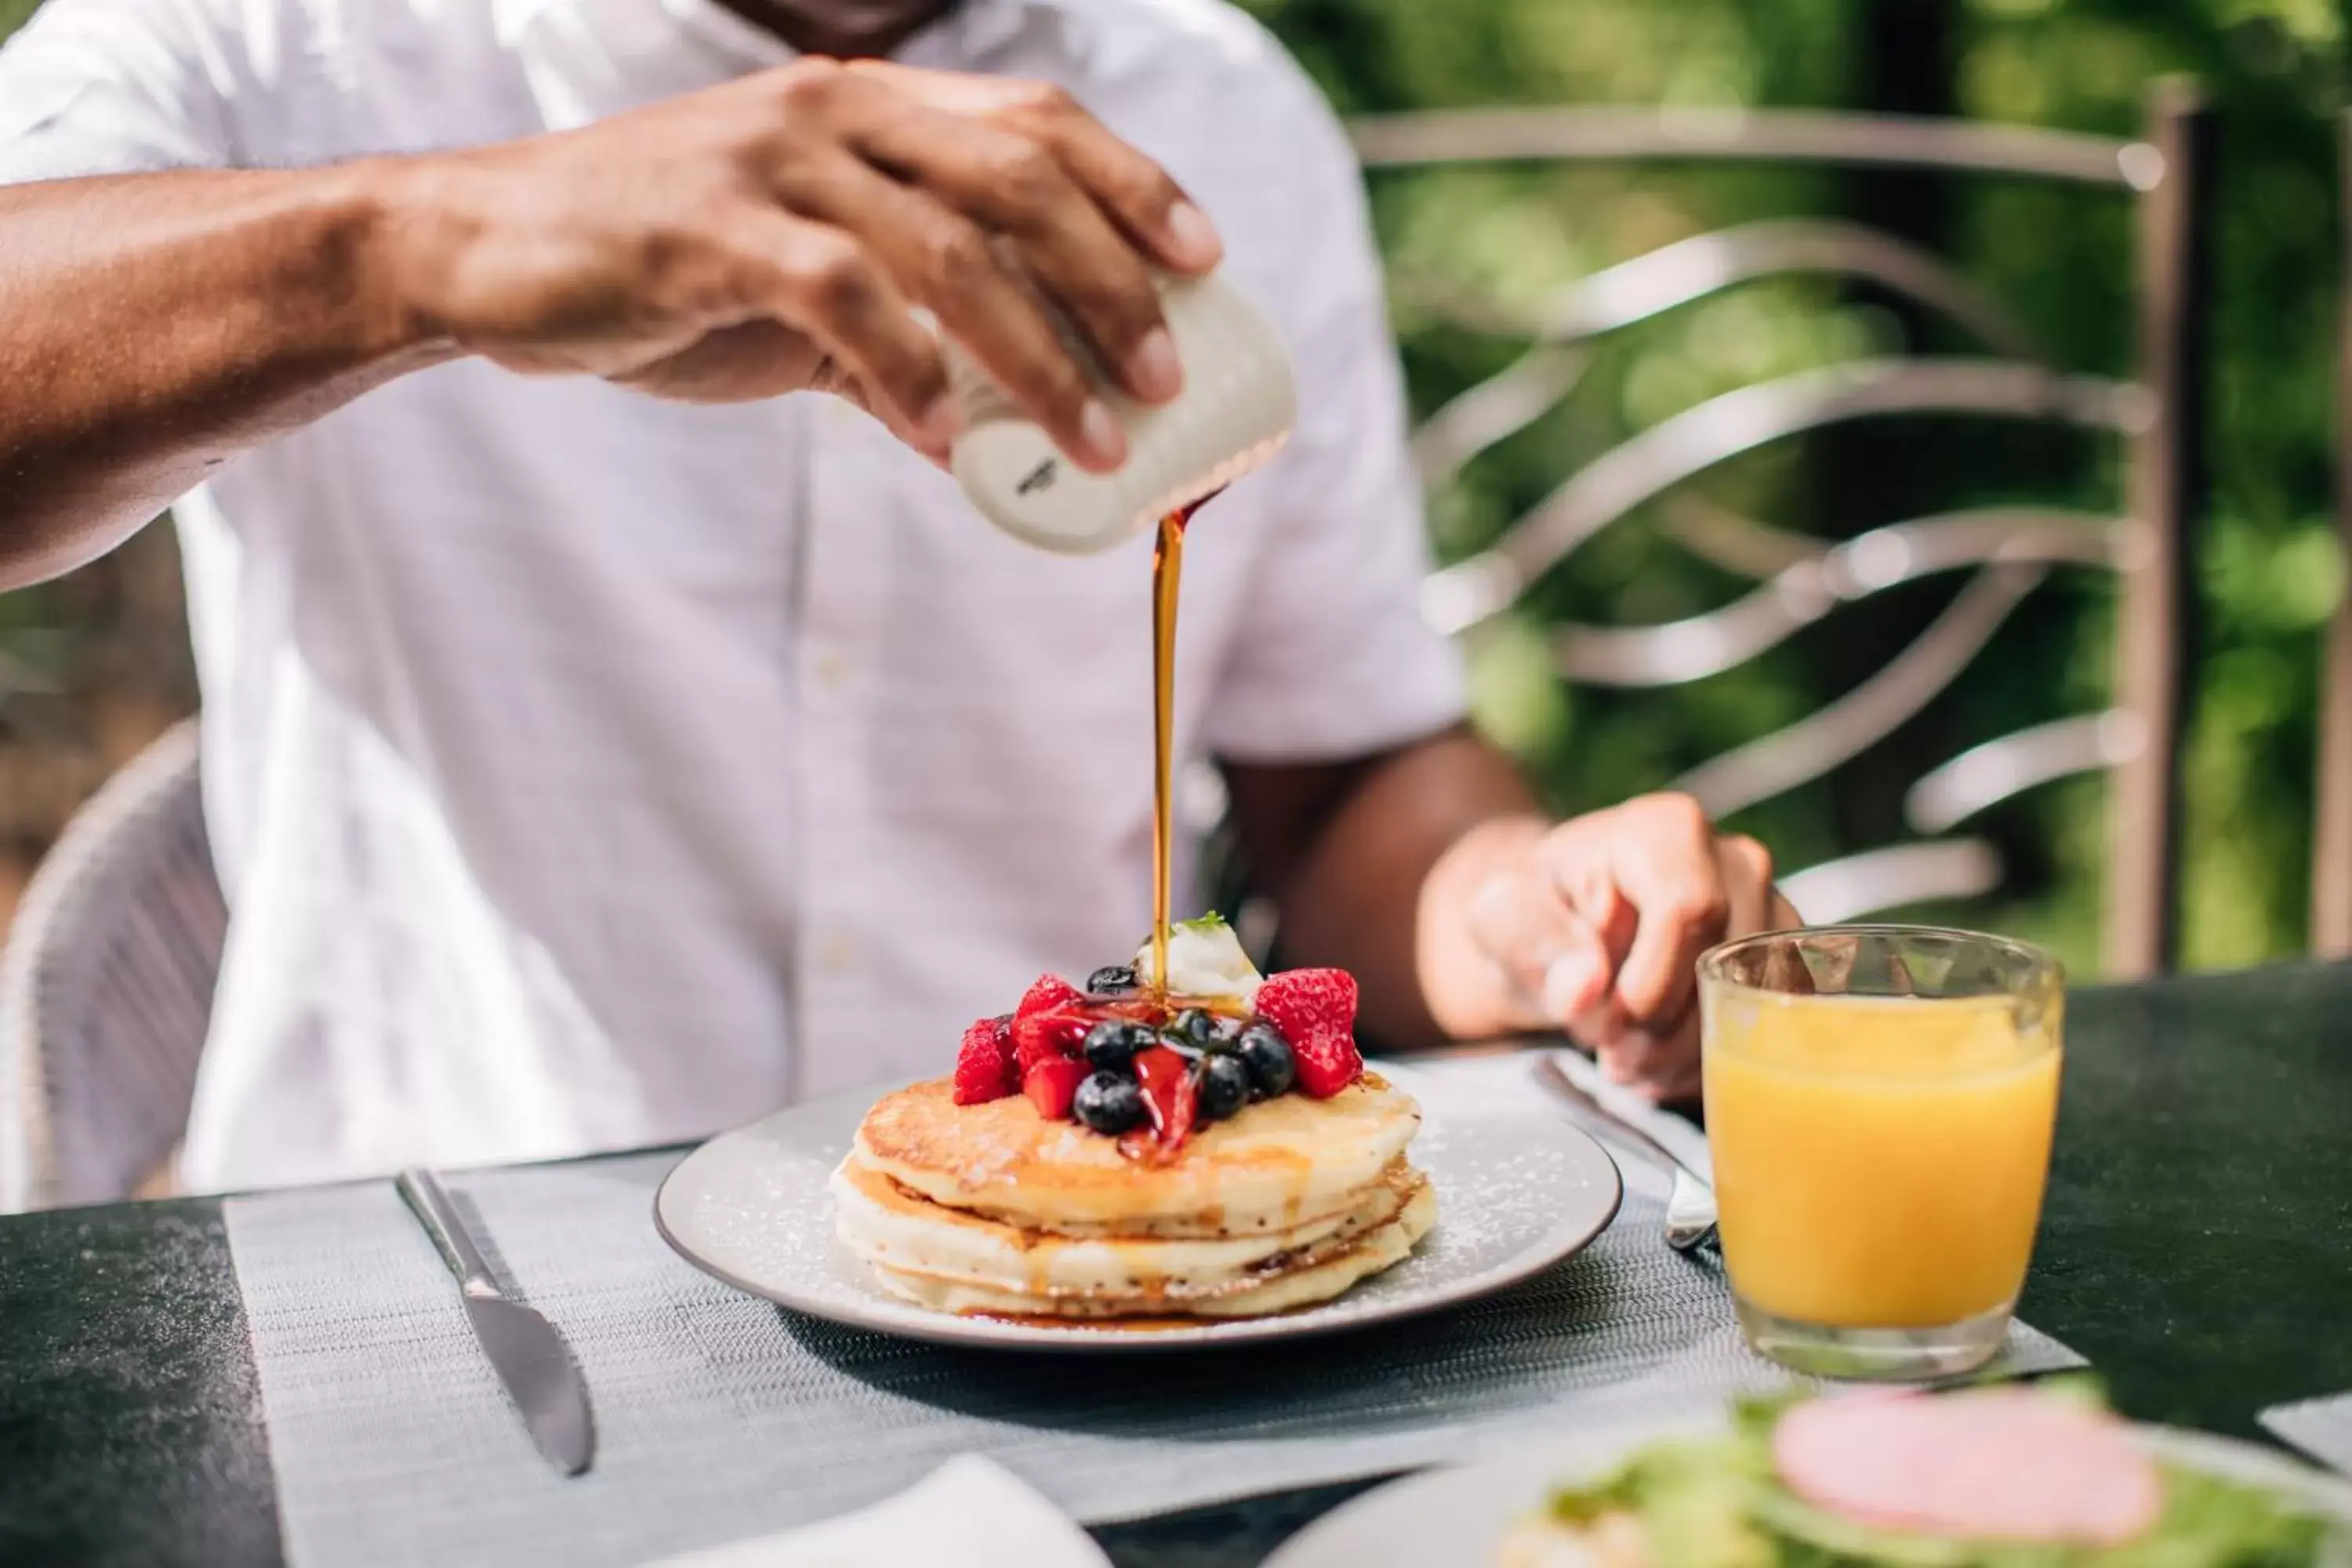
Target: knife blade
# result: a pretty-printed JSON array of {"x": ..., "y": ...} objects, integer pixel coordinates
[
  {"x": 1690, "y": 1205},
  {"x": 522, "y": 1347}
]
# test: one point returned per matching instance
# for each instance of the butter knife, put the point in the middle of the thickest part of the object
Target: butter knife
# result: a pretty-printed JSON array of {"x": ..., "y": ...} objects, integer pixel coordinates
[
  {"x": 1690, "y": 1205},
  {"x": 523, "y": 1347}
]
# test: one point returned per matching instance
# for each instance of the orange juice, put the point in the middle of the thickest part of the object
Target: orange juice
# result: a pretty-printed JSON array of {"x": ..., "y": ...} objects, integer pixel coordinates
[{"x": 1879, "y": 1160}]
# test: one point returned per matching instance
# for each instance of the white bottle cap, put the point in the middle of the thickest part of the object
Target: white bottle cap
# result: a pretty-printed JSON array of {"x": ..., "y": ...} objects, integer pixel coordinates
[{"x": 1239, "y": 404}]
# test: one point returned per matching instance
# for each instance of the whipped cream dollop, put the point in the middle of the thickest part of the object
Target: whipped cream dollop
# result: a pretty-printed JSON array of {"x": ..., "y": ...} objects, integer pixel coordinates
[{"x": 1205, "y": 959}]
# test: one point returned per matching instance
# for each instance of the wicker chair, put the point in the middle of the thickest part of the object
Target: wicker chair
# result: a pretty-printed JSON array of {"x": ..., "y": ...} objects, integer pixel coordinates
[{"x": 106, "y": 986}]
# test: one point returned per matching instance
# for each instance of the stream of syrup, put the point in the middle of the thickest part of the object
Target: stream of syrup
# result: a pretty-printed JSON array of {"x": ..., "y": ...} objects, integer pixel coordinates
[{"x": 1167, "y": 574}]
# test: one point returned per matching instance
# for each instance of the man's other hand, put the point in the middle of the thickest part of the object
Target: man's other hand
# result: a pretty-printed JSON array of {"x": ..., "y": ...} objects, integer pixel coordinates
[{"x": 1594, "y": 926}]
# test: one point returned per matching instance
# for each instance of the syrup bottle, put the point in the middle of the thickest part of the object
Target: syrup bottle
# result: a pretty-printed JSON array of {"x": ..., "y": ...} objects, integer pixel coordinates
[{"x": 1239, "y": 404}]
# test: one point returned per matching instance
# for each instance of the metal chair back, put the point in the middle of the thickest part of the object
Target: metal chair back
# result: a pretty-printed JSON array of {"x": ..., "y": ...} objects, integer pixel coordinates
[{"x": 1799, "y": 581}]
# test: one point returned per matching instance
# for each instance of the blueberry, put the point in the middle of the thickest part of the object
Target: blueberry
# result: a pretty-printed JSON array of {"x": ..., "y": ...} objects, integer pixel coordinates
[
  {"x": 1112, "y": 1045},
  {"x": 1196, "y": 1027},
  {"x": 1228, "y": 1029},
  {"x": 1109, "y": 1104},
  {"x": 1225, "y": 1087},
  {"x": 1114, "y": 979},
  {"x": 1272, "y": 1068}
]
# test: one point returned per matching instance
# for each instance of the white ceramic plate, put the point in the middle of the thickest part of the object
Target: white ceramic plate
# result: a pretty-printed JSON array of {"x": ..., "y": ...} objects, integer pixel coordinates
[
  {"x": 1519, "y": 1189},
  {"x": 1459, "y": 1515}
]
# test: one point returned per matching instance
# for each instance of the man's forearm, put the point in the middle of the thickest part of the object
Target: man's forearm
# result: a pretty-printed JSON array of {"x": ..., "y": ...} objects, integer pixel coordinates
[
  {"x": 152, "y": 326},
  {"x": 1373, "y": 879},
  {"x": 752, "y": 239}
]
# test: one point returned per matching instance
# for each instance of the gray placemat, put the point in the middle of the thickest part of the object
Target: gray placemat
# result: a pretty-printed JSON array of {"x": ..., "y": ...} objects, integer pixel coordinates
[
  {"x": 720, "y": 1417},
  {"x": 2320, "y": 1427}
]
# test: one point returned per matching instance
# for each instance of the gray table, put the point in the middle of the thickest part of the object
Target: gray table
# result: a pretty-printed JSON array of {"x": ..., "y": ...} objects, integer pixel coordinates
[{"x": 2196, "y": 1246}]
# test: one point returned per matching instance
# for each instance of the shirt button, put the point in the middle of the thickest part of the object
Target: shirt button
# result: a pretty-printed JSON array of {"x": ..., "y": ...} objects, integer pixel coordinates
[
  {"x": 836, "y": 954},
  {"x": 832, "y": 671}
]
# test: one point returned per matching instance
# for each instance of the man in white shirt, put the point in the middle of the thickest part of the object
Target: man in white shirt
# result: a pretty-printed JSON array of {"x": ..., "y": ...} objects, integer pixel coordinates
[{"x": 602, "y": 746}]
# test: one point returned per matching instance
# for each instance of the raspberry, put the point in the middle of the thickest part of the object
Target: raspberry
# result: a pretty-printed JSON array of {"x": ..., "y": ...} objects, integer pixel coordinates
[
  {"x": 984, "y": 1068},
  {"x": 1327, "y": 1062},
  {"x": 1303, "y": 1002},
  {"x": 1052, "y": 1084},
  {"x": 1048, "y": 1037},
  {"x": 1046, "y": 993}
]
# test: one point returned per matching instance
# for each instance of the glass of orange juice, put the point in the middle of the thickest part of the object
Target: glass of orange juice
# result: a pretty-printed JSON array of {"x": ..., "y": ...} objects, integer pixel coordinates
[{"x": 1879, "y": 1104}]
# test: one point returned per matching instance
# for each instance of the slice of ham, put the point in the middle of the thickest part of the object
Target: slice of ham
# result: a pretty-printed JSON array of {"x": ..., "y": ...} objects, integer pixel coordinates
[{"x": 2003, "y": 1464}]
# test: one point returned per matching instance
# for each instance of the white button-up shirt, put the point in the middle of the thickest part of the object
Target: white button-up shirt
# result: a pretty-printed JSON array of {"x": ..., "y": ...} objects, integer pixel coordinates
[{"x": 587, "y": 771}]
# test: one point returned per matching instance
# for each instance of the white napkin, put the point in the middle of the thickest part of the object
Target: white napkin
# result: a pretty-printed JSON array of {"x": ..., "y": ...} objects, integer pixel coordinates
[{"x": 968, "y": 1513}]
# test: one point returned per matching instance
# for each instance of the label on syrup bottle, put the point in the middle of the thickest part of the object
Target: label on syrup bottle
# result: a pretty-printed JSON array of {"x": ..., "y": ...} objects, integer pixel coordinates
[{"x": 1239, "y": 404}]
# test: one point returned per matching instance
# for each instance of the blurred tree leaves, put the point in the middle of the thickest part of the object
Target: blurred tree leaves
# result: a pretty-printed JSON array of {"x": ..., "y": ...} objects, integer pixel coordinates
[{"x": 2060, "y": 258}]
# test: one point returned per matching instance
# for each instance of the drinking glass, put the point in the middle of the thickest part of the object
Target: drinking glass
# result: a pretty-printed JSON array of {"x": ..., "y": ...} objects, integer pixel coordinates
[{"x": 1880, "y": 1101}]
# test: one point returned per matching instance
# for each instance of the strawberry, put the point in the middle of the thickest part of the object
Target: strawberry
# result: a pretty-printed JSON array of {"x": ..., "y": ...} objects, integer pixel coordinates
[
  {"x": 984, "y": 1068},
  {"x": 1046, "y": 993},
  {"x": 1301, "y": 1003},
  {"x": 1327, "y": 1062},
  {"x": 1048, "y": 1037},
  {"x": 1051, "y": 1086},
  {"x": 1315, "y": 1010},
  {"x": 1171, "y": 1096}
]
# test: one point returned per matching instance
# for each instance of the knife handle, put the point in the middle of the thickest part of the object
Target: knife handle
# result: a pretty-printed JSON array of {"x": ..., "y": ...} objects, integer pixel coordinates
[{"x": 422, "y": 1191}]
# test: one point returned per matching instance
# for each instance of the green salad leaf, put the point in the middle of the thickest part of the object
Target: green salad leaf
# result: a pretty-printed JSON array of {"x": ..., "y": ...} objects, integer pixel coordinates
[
  {"x": 1718, "y": 1502},
  {"x": 2209, "y": 1522},
  {"x": 1694, "y": 1500}
]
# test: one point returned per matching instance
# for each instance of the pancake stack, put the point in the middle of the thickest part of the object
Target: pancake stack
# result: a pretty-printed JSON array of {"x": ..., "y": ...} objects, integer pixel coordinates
[{"x": 993, "y": 1209}]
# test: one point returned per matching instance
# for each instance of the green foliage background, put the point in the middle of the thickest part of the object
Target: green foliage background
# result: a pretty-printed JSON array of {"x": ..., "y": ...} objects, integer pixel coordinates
[
  {"x": 2061, "y": 258},
  {"x": 2276, "y": 70}
]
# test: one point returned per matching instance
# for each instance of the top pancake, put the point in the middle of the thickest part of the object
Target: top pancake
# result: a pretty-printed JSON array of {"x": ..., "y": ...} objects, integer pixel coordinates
[{"x": 1274, "y": 1165}]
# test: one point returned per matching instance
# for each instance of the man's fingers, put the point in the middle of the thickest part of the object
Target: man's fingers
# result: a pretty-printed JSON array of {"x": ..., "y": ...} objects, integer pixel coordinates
[
  {"x": 1634, "y": 1056},
  {"x": 947, "y": 262},
  {"x": 1553, "y": 961},
  {"x": 1135, "y": 191},
  {"x": 1746, "y": 867},
  {"x": 1018, "y": 186},
  {"x": 1662, "y": 1067},
  {"x": 949, "y": 170},
  {"x": 1578, "y": 857},
  {"x": 1663, "y": 859},
  {"x": 933, "y": 443},
  {"x": 1657, "y": 888},
  {"x": 822, "y": 282}
]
